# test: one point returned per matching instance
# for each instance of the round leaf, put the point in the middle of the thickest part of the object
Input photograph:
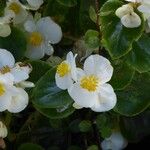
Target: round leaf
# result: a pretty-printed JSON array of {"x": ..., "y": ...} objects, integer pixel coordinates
[
  {"x": 135, "y": 98},
  {"x": 47, "y": 95},
  {"x": 117, "y": 39}
]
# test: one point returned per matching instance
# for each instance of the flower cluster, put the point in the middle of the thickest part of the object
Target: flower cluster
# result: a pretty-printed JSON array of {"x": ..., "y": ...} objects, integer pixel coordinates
[
  {"x": 88, "y": 87},
  {"x": 40, "y": 32},
  {"x": 13, "y": 78},
  {"x": 129, "y": 18}
]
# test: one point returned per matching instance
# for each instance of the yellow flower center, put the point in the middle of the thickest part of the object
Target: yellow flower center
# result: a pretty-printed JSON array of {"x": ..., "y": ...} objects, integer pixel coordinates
[
  {"x": 5, "y": 69},
  {"x": 15, "y": 7},
  {"x": 2, "y": 89},
  {"x": 89, "y": 83},
  {"x": 35, "y": 39},
  {"x": 63, "y": 69}
]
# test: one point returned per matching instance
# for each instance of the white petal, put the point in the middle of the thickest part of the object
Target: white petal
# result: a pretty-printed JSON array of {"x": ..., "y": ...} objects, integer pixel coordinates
[
  {"x": 30, "y": 26},
  {"x": 49, "y": 29},
  {"x": 107, "y": 99},
  {"x": 100, "y": 66},
  {"x": 4, "y": 101},
  {"x": 19, "y": 101},
  {"x": 125, "y": 9},
  {"x": 145, "y": 8},
  {"x": 106, "y": 145},
  {"x": 131, "y": 20},
  {"x": 49, "y": 50},
  {"x": 7, "y": 78},
  {"x": 35, "y": 3},
  {"x": 5, "y": 30},
  {"x": 34, "y": 52},
  {"x": 26, "y": 84},
  {"x": 6, "y": 58},
  {"x": 63, "y": 82},
  {"x": 81, "y": 96}
]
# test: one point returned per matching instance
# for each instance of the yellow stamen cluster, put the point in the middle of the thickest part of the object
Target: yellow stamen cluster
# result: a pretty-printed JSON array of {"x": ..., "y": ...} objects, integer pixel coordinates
[
  {"x": 5, "y": 69},
  {"x": 15, "y": 7},
  {"x": 63, "y": 69},
  {"x": 2, "y": 89},
  {"x": 89, "y": 83},
  {"x": 35, "y": 39}
]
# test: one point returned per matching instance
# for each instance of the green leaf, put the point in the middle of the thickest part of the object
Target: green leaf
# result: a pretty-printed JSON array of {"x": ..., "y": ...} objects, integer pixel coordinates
[
  {"x": 2, "y": 6},
  {"x": 135, "y": 98},
  {"x": 117, "y": 39},
  {"x": 69, "y": 3},
  {"x": 92, "y": 39},
  {"x": 56, "y": 113},
  {"x": 122, "y": 75},
  {"x": 47, "y": 95},
  {"x": 16, "y": 43},
  {"x": 92, "y": 14},
  {"x": 30, "y": 146},
  {"x": 39, "y": 68},
  {"x": 93, "y": 147},
  {"x": 139, "y": 57},
  {"x": 85, "y": 126}
]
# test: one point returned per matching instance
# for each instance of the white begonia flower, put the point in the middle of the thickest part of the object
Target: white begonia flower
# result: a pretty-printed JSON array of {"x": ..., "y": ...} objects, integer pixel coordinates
[
  {"x": 16, "y": 7},
  {"x": 115, "y": 142},
  {"x": 5, "y": 29},
  {"x": 41, "y": 35},
  {"x": 66, "y": 72},
  {"x": 90, "y": 89},
  {"x": 3, "y": 130},
  {"x": 124, "y": 10},
  {"x": 131, "y": 20},
  {"x": 19, "y": 71},
  {"x": 34, "y": 4}
]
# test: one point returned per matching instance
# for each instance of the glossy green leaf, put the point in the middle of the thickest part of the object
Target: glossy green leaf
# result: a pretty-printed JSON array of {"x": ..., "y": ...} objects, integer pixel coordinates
[
  {"x": 56, "y": 113},
  {"x": 92, "y": 14},
  {"x": 16, "y": 43},
  {"x": 92, "y": 39},
  {"x": 30, "y": 146},
  {"x": 47, "y": 95},
  {"x": 117, "y": 39},
  {"x": 85, "y": 126},
  {"x": 122, "y": 75},
  {"x": 135, "y": 98},
  {"x": 139, "y": 57},
  {"x": 69, "y": 3},
  {"x": 39, "y": 68}
]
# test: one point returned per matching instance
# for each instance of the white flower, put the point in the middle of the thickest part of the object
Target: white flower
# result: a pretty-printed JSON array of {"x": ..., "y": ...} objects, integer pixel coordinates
[
  {"x": 19, "y": 71},
  {"x": 35, "y": 4},
  {"x": 3, "y": 130},
  {"x": 128, "y": 17},
  {"x": 91, "y": 89},
  {"x": 115, "y": 142},
  {"x": 16, "y": 7},
  {"x": 5, "y": 29},
  {"x": 42, "y": 34},
  {"x": 66, "y": 72},
  {"x": 131, "y": 20}
]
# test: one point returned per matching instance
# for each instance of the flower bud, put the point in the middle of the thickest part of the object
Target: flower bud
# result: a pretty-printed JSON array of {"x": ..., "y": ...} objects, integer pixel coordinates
[{"x": 3, "y": 130}]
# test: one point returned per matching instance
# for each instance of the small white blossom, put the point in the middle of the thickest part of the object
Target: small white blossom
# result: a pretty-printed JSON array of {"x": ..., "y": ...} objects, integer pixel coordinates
[
  {"x": 3, "y": 130},
  {"x": 90, "y": 90},
  {"x": 34, "y": 4},
  {"x": 66, "y": 72},
  {"x": 41, "y": 35},
  {"x": 115, "y": 142}
]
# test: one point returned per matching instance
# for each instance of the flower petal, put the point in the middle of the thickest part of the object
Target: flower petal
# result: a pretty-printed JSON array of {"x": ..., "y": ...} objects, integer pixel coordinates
[
  {"x": 35, "y": 3},
  {"x": 107, "y": 99},
  {"x": 4, "y": 101},
  {"x": 100, "y": 66},
  {"x": 50, "y": 30},
  {"x": 63, "y": 82},
  {"x": 6, "y": 58},
  {"x": 49, "y": 50},
  {"x": 5, "y": 30},
  {"x": 82, "y": 97},
  {"x": 18, "y": 101},
  {"x": 144, "y": 8},
  {"x": 30, "y": 26}
]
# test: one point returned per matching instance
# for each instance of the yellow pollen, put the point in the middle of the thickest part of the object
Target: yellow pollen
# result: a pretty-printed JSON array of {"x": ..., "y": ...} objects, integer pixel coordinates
[
  {"x": 2, "y": 89},
  {"x": 89, "y": 83},
  {"x": 5, "y": 69},
  {"x": 35, "y": 39},
  {"x": 63, "y": 69},
  {"x": 15, "y": 7}
]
